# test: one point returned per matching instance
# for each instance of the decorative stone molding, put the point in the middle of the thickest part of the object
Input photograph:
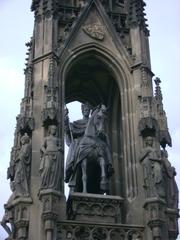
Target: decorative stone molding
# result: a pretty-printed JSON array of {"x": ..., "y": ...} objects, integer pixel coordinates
[
  {"x": 21, "y": 217},
  {"x": 99, "y": 208},
  {"x": 96, "y": 231},
  {"x": 53, "y": 209},
  {"x": 155, "y": 217},
  {"x": 50, "y": 111},
  {"x": 172, "y": 216},
  {"x": 95, "y": 31}
]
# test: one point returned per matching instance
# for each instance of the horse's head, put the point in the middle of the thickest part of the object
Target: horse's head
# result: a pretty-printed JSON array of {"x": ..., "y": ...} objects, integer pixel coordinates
[
  {"x": 100, "y": 118},
  {"x": 97, "y": 123}
]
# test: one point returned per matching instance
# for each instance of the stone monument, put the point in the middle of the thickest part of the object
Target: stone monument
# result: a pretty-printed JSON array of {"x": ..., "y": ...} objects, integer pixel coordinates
[{"x": 122, "y": 184}]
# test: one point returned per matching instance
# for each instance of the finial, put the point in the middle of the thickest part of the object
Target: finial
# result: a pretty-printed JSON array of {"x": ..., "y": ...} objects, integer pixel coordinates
[{"x": 158, "y": 93}]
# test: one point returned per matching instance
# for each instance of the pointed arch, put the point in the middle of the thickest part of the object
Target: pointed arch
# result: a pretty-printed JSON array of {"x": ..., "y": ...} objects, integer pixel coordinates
[{"x": 123, "y": 110}]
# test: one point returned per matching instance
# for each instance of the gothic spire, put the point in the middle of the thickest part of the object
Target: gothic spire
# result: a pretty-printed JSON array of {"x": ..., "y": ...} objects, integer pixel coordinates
[{"x": 137, "y": 14}]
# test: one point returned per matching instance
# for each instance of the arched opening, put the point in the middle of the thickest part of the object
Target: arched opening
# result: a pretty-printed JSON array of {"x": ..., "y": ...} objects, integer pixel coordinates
[{"x": 91, "y": 80}]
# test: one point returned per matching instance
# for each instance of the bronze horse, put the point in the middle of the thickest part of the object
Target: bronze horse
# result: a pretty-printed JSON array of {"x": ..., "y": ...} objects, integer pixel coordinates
[{"x": 94, "y": 156}]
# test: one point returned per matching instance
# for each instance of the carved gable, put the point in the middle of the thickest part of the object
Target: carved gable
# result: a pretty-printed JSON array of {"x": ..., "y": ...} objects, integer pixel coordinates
[{"x": 94, "y": 26}]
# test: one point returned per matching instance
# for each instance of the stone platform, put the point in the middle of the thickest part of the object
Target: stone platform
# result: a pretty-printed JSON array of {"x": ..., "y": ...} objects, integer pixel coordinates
[{"x": 95, "y": 208}]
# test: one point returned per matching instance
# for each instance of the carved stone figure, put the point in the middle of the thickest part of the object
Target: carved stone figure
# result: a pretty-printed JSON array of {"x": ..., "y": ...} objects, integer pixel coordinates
[
  {"x": 50, "y": 166},
  {"x": 74, "y": 133},
  {"x": 22, "y": 168},
  {"x": 8, "y": 215},
  {"x": 171, "y": 186},
  {"x": 152, "y": 167}
]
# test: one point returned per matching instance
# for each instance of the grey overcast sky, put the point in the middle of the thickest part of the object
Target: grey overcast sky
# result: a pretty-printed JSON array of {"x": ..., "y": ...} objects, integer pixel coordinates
[{"x": 16, "y": 26}]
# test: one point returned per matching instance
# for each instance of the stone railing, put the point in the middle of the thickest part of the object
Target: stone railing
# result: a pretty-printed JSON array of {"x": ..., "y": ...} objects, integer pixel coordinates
[{"x": 76, "y": 230}]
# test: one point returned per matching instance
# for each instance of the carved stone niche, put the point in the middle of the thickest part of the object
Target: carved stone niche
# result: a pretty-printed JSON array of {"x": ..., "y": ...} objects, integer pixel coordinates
[
  {"x": 25, "y": 124},
  {"x": 94, "y": 207},
  {"x": 50, "y": 111},
  {"x": 148, "y": 127}
]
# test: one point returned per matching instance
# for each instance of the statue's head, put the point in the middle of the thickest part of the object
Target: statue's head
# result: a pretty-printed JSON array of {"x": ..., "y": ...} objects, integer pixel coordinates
[
  {"x": 52, "y": 130},
  {"x": 85, "y": 107},
  {"x": 149, "y": 141},
  {"x": 25, "y": 139}
]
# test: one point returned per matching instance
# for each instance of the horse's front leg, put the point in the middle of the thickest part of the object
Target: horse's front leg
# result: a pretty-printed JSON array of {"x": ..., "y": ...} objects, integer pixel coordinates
[
  {"x": 103, "y": 183},
  {"x": 84, "y": 175}
]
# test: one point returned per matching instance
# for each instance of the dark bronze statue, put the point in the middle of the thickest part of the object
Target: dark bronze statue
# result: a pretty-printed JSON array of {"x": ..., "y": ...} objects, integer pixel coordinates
[
  {"x": 74, "y": 133},
  {"x": 92, "y": 163},
  {"x": 50, "y": 166}
]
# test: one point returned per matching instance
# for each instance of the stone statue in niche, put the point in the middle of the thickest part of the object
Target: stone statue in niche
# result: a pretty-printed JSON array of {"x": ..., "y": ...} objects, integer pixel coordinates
[
  {"x": 22, "y": 167},
  {"x": 153, "y": 170},
  {"x": 51, "y": 165},
  {"x": 172, "y": 192},
  {"x": 8, "y": 217},
  {"x": 92, "y": 164},
  {"x": 73, "y": 134}
]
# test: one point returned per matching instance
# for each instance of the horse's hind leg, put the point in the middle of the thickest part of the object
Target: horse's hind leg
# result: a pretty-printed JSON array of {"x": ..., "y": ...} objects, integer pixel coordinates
[
  {"x": 103, "y": 183},
  {"x": 84, "y": 175}
]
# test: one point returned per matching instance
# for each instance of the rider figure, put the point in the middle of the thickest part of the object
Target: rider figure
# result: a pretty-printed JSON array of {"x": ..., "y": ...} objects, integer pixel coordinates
[{"x": 74, "y": 132}]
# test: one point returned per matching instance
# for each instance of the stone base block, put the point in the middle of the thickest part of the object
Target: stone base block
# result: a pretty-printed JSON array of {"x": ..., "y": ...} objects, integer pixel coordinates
[{"x": 94, "y": 208}]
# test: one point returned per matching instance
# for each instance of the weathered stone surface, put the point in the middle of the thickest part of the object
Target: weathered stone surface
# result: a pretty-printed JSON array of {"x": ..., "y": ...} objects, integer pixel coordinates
[
  {"x": 96, "y": 52},
  {"x": 51, "y": 161},
  {"x": 95, "y": 208}
]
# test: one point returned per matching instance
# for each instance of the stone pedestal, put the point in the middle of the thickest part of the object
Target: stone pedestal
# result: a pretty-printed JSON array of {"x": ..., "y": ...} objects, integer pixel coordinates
[
  {"x": 21, "y": 217},
  {"x": 172, "y": 215},
  {"x": 155, "y": 217},
  {"x": 95, "y": 208},
  {"x": 53, "y": 210}
]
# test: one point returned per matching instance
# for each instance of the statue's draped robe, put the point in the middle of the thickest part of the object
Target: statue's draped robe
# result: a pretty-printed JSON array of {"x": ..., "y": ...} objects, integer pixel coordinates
[
  {"x": 22, "y": 165},
  {"x": 50, "y": 166},
  {"x": 86, "y": 144},
  {"x": 153, "y": 176},
  {"x": 172, "y": 193},
  {"x": 77, "y": 129}
]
